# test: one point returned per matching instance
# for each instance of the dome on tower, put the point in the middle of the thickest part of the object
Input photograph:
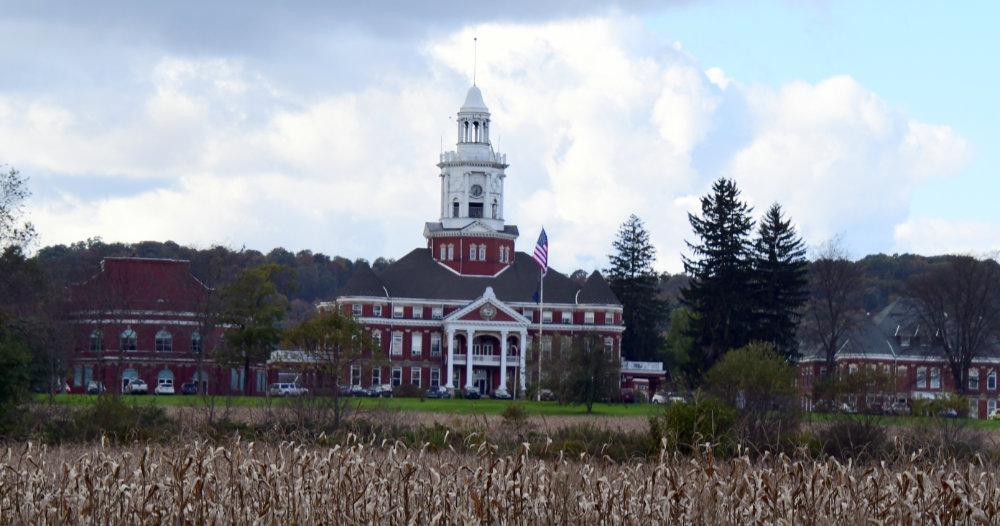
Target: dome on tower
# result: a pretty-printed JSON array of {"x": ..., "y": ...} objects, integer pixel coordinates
[{"x": 474, "y": 102}]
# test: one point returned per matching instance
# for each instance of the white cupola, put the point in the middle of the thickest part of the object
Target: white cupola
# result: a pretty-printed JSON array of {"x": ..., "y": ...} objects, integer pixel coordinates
[{"x": 472, "y": 176}]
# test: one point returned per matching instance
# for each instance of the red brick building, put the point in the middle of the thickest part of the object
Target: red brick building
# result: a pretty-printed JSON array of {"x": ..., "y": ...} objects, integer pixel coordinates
[
  {"x": 460, "y": 311},
  {"x": 893, "y": 341},
  {"x": 144, "y": 318}
]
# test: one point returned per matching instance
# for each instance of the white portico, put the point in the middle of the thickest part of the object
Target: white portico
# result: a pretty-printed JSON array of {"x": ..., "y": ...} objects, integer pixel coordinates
[{"x": 493, "y": 335}]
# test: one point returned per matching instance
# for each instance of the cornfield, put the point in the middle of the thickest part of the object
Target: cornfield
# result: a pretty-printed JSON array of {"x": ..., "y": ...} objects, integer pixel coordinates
[{"x": 371, "y": 482}]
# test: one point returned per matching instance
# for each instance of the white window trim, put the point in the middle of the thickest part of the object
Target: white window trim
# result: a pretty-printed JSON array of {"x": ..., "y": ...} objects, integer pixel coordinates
[
  {"x": 416, "y": 343},
  {"x": 418, "y": 376},
  {"x": 435, "y": 377},
  {"x": 398, "y": 311},
  {"x": 396, "y": 345},
  {"x": 588, "y": 317},
  {"x": 377, "y": 311},
  {"x": 393, "y": 376},
  {"x": 357, "y": 310}
]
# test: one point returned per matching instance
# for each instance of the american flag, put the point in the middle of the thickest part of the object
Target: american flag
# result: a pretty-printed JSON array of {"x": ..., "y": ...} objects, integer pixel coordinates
[{"x": 541, "y": 255}]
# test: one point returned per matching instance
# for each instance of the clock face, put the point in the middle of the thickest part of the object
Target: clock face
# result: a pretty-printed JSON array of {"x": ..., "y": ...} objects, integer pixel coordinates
[
  {"x": 476, "y": 190},
  {"x": 488, "y": 311}
]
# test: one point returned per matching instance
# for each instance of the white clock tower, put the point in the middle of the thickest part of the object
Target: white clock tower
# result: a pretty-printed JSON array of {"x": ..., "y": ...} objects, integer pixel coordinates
[
  {"x": 471, "y": 236},
  {"x": 472, "y": 176}
]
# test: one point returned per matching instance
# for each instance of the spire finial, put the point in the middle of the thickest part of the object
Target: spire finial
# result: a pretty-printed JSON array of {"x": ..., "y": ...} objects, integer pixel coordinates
[{"x": 475, "y": 58}]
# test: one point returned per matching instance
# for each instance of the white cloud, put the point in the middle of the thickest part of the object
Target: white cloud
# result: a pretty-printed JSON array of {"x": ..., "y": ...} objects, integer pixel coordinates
[
  {"x": 930, "y": 236},
  {"x": 598, "y": 121}
]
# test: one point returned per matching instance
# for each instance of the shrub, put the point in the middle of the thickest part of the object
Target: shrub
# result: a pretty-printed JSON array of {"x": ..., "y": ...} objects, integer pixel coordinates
[
  {"x": 687, "y": 425},
  {"x": 950, "y": 403},
  {"x": 408, "y": 391},
  {"x": 858, "y": 438},
  {"x": 112, "y": 417}
]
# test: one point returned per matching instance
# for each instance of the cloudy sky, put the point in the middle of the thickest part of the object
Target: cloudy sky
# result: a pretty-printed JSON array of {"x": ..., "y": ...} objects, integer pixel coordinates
[{"x": 318, "y": 125}]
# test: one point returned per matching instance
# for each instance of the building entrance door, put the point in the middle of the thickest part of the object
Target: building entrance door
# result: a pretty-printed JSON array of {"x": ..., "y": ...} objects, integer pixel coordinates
[{"x": 481, "y": 380}]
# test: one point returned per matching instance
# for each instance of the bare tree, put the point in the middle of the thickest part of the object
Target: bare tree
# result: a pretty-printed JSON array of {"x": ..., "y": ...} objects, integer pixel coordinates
[
  {"x": 13, "y": 193},
  {"x": 959, "y": 301},
  {"x": 834, "y": 306}
]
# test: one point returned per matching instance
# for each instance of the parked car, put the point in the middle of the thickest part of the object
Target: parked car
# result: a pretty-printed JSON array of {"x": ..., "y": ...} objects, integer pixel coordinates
[
  {"x": 164, "y": 387},
  {"x": 547, "y": 395},
  {"x": 667, "y": 398},
  {"x": 471, "y": 394},
  {"x": 438, "y": 392},
  {"x": 357, "y": 390},
  {"x": 137, "y": 386},
  {"x": 385, "y": 390},
  {"x": 95, "y": 388},
  {"x": 501, "y": 394},
  {"x": 287, "y": 389},
  {"x": 189, "y": 388}
]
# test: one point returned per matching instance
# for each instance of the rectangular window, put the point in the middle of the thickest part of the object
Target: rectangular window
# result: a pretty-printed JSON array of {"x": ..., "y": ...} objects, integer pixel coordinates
[
  {"x": 528, "y": 313},
  {"x": 609, "y": 345},
  {"x": 435, "y": 378},
  {"x": 921, "y": 377},
  {"x": 77, "y": 376},
  {"x": 397, "y": 376},
  {"x": 547, "y": 316},
  {"x": 852, "y": 368},
  {"x": 991, "y": 407},
  {"x": 901, "y": 371},
  {"x": 355, "y": 375},
  {"x": 609, "y": 318},
  {"x": 396, "y": 349},
  {"x": 377, "y": 339},
  {"x": 377, "y": 311},
  {"x": 356, "y": 310},
  {"x": 417, "y": 343},
  {"x": 974, "y": 379},
  {"x": 991, "y": 380},
  {"x": 435, "y": 344},
  {"x": 567, "y": 318},
  {"x": 415, "y": 376},
  {"x": 397, "y": 311},
  {"x": 418, "y": 312},
  {"x": 935, "y": 378},
  {"x": 376, "y": 376},
  {"x": 472, "y": 252},
  {"x": 437, "y": 313},
  {"x": 88, "y": 375},
  {"x": 236, "y": 379},
  {"x": 588, "y": 317},
  {"x": 261, "y": 381}
]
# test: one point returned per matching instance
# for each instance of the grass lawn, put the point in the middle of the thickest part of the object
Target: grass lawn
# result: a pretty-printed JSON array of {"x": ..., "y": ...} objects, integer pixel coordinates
[
  {"x": 903, "y": 420},
  {"x": 462, "y": 407}
]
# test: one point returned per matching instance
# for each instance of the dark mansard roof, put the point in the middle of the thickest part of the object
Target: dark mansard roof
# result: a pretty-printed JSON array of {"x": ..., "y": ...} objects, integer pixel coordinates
[{"x": 416, "y": 275}]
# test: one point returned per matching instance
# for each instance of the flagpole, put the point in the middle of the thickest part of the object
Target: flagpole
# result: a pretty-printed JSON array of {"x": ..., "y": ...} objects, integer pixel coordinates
[{"x": 541, "y": 319}]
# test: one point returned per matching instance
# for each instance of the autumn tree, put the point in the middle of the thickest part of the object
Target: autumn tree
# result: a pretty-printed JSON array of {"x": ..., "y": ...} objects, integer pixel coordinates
[
  {"x": 833, "y": 309},
  {"x": 251, "y": 309},
  {"x": 331, "y": 344},
  {"x": 583, "y": 371},
  {"x": 959, "y": 303}
]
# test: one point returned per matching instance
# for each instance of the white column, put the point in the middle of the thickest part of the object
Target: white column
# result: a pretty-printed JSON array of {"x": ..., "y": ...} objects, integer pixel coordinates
[
  {"x": 468, "y": 358},
  {"x": 523, "y": 351},
  {"x": 503, "y": 360},
  {"x": 451, "y": 359}
]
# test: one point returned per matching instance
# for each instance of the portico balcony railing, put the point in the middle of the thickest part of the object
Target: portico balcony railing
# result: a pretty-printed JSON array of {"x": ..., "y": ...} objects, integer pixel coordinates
[{"x": 487, "y": 359}]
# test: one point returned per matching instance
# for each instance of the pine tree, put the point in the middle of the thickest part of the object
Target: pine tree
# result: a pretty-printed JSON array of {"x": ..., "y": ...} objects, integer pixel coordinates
[
  {"x": 633, "y": 280},
  {"x": 720, "y": 291},
  {"x": 780, "y": 282}
]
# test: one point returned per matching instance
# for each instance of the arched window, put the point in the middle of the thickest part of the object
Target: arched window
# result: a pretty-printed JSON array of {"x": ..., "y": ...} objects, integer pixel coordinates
[
  {"x": 475, "y": 126},
  {"x": 195, "y": 342},
  {"x": 164, "y": 341},
  {"x": 451, "y": 252},
  {"x": 165, "y": 377},
  {"x": 482, "y": 252},
  {"x": 494, "y": 209},
  {"x": 127, "y": 340},
  {"x": 454, "y": 208},
  {"x": 472, "y": 252},
  {"x": 465, "y": 135},
  {"x": 96, "y": 341}
]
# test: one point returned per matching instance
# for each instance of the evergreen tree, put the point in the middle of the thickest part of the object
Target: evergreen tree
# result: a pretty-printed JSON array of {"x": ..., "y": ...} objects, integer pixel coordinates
[
  {"x": 635, "y": 283},
  {"x": 781, "y": 282},
  {"x": 720, "y": 291}
]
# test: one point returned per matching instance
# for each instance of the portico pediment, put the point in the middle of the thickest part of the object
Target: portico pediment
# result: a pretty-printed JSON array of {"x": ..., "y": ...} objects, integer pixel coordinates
[{"x": 487, "y": 309}]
